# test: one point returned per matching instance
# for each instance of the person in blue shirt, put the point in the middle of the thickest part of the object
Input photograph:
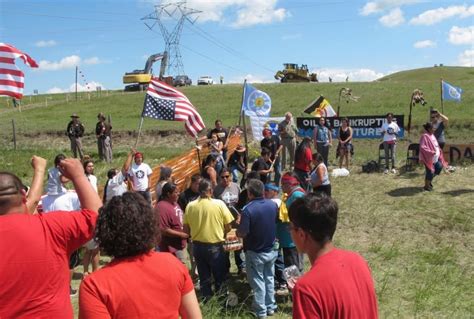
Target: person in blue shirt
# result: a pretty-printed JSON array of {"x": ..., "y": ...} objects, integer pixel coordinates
[{"x": 257, "y": 228}]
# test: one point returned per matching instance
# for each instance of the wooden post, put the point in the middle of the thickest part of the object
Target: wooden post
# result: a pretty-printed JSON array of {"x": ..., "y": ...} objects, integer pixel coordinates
[
  {"x": 441, "y": 90},
  {"x": 14, "y": 134}
]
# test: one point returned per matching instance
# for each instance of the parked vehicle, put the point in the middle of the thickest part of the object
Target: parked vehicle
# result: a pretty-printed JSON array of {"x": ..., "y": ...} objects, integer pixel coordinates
[
  {"x": 182, "y": 80},
  {"x": 205, "y": 80}
]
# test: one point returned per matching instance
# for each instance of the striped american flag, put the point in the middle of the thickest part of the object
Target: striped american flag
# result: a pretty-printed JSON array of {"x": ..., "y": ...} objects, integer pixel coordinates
[
  {"x": 11, "y": 77},
  {"x": 163, "y": 102}
]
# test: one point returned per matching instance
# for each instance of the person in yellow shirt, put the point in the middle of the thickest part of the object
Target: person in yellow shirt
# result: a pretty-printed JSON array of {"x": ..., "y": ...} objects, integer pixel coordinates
[{"x": 207, "y": 221}]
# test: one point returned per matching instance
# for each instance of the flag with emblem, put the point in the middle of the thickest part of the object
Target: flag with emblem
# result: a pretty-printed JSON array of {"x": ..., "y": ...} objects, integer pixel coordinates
[
  {"x": 256, "y": 102},
  {"x": 163, "y": 102},
  {"x": 320, "y": 108},
  {"x": 450, "y": 92}
]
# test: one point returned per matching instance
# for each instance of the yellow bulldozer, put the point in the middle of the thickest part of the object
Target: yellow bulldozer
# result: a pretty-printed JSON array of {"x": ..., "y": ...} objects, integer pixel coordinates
[{"x": 294, "y": 73}]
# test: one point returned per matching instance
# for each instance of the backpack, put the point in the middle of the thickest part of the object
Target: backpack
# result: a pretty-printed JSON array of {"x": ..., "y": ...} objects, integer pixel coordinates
[{"x": 370, "y": 167}]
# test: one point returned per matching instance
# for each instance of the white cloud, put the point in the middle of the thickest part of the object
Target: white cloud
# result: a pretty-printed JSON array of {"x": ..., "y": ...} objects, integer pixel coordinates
[
  {"x": 461, "y": 36},
  {"x": 68, "y": 62},
  {"x": 93, "y": 60},
  {"x": 424, "y": 44},
  {"x": 55, "y": 90},
  {"x": 353, "y": 75},
  {"x": 379, "y": 6},
  {"x": 45, "y": 43},
  {"x": 393, "y": 18},
  {"x": 65, "y": 63},
  {"x": 466, "y": 58},
  {"x": 251, "y": 78},
  {"x": 259, "y": 12},
  {"x": 237, "y": 13},
  {"x": 434, "y": 16},
  {"x": 90, "y": 87}
]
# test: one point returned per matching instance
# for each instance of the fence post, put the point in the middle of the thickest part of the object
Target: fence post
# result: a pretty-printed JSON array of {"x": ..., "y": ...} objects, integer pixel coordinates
[{"x": 14, "y": 134}]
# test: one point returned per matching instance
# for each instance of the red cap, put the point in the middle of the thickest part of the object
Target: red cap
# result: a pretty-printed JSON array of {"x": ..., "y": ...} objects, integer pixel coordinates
[
  {"x": 293, "y": 181},
  {"x": 138, "y": 154},
  {"x": 266, "y": 132}
]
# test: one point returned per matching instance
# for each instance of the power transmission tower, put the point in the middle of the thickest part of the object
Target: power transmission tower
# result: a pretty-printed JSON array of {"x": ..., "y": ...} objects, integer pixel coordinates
[{"x": 170, "y": 17}]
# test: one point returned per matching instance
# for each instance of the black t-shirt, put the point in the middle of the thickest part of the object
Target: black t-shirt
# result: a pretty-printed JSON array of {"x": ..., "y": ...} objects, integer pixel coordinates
[
  {"x": 272, "y": 143},
  {"x": 261, "y": 165},
  {"x": 185, "y": 197}
]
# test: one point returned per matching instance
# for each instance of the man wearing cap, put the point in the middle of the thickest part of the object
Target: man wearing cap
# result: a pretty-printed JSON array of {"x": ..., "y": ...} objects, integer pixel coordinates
[
  {"x": 104, "y": 142},
  {"x": 139, "y": 173},
  {"x": 272, "y": 143},
  {"x": 287, "y": 129},
  {"x": 75, "y": 131},
  {"x": 35, "y": 249},
  {"x": 292, "y": 190},
  {"x": 238, "y": 163}
]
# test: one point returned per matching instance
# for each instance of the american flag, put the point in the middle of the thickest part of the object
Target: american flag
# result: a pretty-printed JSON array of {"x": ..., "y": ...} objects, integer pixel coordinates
[
  {"x": 163, "y": 102},
  {"x": 11, "y": 77}
]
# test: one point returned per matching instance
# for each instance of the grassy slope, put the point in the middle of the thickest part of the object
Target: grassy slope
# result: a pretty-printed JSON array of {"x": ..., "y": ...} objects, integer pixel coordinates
[{"x": 419, "y": 245}]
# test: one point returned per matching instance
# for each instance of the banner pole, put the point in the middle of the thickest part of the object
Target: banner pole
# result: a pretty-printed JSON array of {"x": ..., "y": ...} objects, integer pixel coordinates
[
  {"x": 242, "y": 104},
  {"x": 245, "y": 135},
  {"x": 139, "y": 131},
  {"x": 441, "y": 90},
  {"x": 409, "y": 115}
]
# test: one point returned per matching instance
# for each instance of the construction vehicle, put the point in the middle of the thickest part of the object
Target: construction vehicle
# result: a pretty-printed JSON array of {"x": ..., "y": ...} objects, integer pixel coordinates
[
  {"x": 294, "y": 73},
  {"x": 141, "y": 78}
]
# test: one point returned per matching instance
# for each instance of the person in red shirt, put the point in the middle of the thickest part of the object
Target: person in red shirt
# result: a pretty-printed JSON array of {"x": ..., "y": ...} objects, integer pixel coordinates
[
  {"x": 303, "y": 159},
  {"x": 138, "y": 282},
  {"x": 339, "y": 284},
  {"x": 35, "y": 249},
  {"x": 170, "y": 222}
]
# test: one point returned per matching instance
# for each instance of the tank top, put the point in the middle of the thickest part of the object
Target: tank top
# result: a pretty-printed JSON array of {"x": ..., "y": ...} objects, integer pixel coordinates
[
  {"x": 343, "y": 135},
  {"x": 314, "y": 175}
]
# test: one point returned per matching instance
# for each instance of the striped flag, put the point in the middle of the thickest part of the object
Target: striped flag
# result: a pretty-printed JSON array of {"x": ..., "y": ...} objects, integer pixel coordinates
[
  {"x": 163, "y": 102},
  {"x": 11, "y": 77}
]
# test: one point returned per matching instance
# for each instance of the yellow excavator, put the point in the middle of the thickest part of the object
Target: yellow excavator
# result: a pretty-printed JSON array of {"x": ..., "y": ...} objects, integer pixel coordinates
[
  {"x": 141, "y": 78},
  {"x": 294, "y": 73}
]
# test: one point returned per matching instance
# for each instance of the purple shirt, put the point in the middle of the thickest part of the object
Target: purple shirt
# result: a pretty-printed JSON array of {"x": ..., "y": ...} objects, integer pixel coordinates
[{"x": 170, "y": 216}]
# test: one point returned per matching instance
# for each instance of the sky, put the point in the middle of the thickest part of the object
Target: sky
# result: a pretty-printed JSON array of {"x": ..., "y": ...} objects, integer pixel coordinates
[{"x": 235, "y": 39}]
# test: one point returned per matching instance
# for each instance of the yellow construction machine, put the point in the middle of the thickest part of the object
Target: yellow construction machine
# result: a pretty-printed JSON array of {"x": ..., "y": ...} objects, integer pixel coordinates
[
  {"x": 141, "y": 78},
  {"x": 294, "y": 73}
]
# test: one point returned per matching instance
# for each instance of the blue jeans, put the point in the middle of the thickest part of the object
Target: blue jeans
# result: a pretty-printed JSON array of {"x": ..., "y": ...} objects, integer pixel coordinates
[
  {"x": 279, "y": 267},
  {"x": 211, "y": 261},
  {"x": 260, "y": 272},
  {"x": 438, "y": 167}
]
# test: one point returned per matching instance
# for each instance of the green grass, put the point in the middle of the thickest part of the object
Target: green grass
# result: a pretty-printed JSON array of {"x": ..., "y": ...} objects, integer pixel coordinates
[{"x": 418, "y": 244}]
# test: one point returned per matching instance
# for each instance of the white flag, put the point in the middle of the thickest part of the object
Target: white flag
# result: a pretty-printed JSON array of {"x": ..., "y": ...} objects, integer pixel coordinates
[{"x": 260, "y": 122}]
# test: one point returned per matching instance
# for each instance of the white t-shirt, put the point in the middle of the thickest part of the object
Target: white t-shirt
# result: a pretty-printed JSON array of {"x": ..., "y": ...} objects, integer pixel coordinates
[
  {"x": 66, "y": 202},
  {"x": 115, "y": 187},
  {"x": 93, "y": 180},
  {"x": 390, "y": 131},
  {"x": 139, "y": 175}
]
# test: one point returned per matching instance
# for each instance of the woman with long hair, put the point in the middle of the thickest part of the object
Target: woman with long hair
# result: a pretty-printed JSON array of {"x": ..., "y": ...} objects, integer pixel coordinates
[
  {"x": 431, "y": 155},
  {"x": 303, "y": 158},
  {"x": 345, "y": 148},
  {"x": 209, "y": 169},
  {"x": 216, "y": 147},
  {"x": 138, "y": 282}
]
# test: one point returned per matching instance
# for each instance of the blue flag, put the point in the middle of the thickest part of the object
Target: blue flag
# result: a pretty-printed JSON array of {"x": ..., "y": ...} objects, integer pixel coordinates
[
  {"x": 256, "y": 102},
  {"x": 450, "y": 92}
]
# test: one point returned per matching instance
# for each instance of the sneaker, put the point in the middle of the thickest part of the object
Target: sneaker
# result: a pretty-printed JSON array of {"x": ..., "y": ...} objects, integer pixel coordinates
[
  {"x": 72, "y": 292},
  {"x": 270, "y": 313},
  {"x": 394, "y": 171},
  {"x": 385, "y": 171},
  {"x": 428, "y": 189},
  {"x": 282, "y": 290}
]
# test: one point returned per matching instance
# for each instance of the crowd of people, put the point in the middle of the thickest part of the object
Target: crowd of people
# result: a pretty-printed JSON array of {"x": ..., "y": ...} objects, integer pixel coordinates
[{"x": 281, "y": 210}]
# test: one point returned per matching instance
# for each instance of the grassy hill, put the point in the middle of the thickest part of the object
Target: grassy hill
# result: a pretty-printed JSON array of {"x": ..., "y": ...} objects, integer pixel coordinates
[{"x": 418, "y": 244}]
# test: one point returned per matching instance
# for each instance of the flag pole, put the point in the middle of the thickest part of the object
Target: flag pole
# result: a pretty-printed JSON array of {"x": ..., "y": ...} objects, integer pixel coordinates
[
  {"x": 139, "y": 131},
  {"x": 442, "y": 103},
  {"x": 242, "y": 104},
  {"x": 198, "y": 154},
  {"x": 409, "y": 114}
]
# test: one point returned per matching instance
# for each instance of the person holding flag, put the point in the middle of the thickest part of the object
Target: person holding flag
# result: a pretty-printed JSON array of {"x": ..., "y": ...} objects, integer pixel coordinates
[{"x": 439, "y": 122}]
